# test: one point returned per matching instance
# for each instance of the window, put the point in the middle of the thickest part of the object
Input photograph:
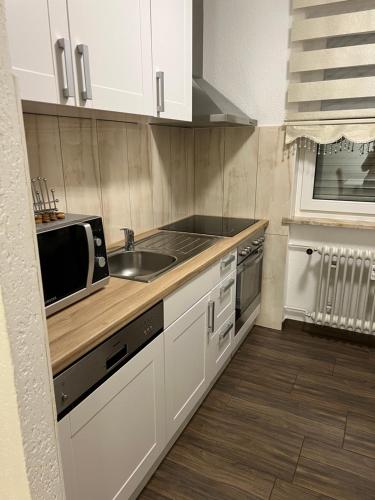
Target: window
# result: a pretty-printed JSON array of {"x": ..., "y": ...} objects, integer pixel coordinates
[
  {"x": 337, "y": 181},
  {"x": 345, "y": 176}
]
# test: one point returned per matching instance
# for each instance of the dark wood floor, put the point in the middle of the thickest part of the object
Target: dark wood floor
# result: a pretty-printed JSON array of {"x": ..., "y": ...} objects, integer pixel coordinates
[{"x": 292, "y": 417}]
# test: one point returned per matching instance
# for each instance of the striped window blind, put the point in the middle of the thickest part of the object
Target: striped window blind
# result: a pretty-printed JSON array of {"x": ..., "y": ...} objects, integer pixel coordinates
[{"x": 332, "y": 61}]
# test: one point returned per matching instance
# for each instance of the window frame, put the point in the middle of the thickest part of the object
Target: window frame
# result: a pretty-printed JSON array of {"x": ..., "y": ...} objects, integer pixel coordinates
[{"x": 306, "y": 163}]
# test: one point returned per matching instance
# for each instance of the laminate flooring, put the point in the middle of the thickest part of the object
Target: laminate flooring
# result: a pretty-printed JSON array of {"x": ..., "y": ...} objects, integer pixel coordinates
[{"x": 292, "y": 417}]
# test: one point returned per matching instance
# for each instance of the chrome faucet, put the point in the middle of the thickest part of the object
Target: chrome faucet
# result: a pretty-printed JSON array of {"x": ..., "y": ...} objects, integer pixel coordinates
[{"x": 129, "y": 239}]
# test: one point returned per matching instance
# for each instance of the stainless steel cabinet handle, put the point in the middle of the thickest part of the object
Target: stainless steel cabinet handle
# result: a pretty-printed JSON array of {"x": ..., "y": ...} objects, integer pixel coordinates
[
  {"x": 225, "y": 333},
  {"x": 211, "y": 316},
  {"x": 64, "y": 45},
  {"x": 160, "y": 103},
  {"x": 226, "y": 288},
  {"x": 226, "y": 262},
  {"x": 86, "y": 92}
]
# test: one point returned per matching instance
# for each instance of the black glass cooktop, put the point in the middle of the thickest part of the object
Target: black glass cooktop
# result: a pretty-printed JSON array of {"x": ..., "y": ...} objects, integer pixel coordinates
[{"x": 207, "y": 224}]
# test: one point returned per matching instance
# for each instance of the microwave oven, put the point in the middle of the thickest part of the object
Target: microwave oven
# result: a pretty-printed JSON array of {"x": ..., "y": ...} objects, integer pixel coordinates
[{"x": 73, "y": 259}]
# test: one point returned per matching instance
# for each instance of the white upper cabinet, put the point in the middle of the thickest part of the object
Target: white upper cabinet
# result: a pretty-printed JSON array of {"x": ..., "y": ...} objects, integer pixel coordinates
[
  {"x": 41, "y": 63},
  {"x": 111, "y": 43},
  {"x": 130, "y": 56},
  {"x": 171, "y": 22}
]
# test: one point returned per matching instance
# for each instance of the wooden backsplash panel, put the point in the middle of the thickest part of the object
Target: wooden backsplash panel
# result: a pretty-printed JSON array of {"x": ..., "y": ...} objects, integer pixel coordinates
[
  {"x": 114, "y": 175},
  {"x": 160, "y": 151},
  {"x": 226, "y": 166},
  {"x": 182, "y": 172},
  {"x": 44, "y": 152},
  {"x": 81, "y": 167},
  {"x": 240, "y": 172},
  {"x": 140, "y": 177},
  {"x": 209, "y": 168},
  {"x": 133, "y": 175}
]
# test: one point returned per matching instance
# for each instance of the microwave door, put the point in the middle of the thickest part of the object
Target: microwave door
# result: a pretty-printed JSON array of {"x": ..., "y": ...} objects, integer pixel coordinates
[{"x": 66, "y": 258}]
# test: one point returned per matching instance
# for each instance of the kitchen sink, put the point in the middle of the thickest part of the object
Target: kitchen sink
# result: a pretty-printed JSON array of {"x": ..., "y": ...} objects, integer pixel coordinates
[
  {"x": 157, "y": 254},
  {"x": 139, "y": 265}
]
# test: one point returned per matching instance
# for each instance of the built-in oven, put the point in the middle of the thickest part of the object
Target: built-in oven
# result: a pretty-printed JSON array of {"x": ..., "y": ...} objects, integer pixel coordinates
[{"x": 249, "y": 279}]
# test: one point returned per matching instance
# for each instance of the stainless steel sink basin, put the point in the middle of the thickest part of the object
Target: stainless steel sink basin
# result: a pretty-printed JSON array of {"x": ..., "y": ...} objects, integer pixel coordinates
[{"x": 139, "y": 265}]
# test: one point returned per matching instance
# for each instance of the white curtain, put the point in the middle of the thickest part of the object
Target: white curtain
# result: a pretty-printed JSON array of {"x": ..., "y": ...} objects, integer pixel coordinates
[{"x": 358, "y": 133}]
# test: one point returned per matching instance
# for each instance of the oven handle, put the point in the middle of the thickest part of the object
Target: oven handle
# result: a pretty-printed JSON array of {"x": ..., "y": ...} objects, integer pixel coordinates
[
  {"x": 251, "y": 260},
  {"x": 91, "y": 252}
]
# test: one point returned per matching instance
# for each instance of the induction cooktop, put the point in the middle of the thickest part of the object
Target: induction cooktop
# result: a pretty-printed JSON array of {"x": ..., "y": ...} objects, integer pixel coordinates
[{"x": 208, "y": 224}]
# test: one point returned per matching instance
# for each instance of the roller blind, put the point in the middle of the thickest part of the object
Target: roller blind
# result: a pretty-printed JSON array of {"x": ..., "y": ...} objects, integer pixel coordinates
[{"x": 332, "y": 61}]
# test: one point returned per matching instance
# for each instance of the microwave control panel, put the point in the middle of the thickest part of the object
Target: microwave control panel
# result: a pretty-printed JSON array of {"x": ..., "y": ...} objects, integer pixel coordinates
[{"x": 101, "y": 269}]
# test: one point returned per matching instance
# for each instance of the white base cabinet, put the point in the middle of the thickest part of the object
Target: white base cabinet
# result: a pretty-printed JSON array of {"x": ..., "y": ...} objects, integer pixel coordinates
[
  {"x": 111, "y": 440},
  {"x": 185, "y": 364}
]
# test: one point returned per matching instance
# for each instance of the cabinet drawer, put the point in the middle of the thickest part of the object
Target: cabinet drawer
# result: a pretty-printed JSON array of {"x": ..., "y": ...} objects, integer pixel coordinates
[
  {"x": 222, "y": 302},
  {"x": 219, "y": 348},
  {"x": 180, "y": 301},
  {"x": 176, "y": 304},
  {"x": 227, "y": 264}
]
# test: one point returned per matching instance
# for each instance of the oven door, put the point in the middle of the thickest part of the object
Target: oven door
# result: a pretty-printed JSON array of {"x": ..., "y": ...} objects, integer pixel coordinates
[
  {"x": 249, "y": 284},
  {"x": 66, "y": 261}
]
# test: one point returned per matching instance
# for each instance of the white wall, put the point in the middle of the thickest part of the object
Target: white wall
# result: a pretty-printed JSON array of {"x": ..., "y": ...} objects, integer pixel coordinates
[
  {"x": 246, "y": 54},
  {"x": 303, "y": 270},
  {"x": 26, "y": 398}
]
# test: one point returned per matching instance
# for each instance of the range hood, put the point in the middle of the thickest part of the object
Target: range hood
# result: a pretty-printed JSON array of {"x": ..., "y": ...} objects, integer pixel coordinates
[{"x": 210, "y": 107}]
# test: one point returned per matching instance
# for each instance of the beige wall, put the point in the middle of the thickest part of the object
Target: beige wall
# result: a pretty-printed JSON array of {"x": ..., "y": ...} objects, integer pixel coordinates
[
  {"x": 144, "y": 176},
  {"x": 29, "y": 461}
]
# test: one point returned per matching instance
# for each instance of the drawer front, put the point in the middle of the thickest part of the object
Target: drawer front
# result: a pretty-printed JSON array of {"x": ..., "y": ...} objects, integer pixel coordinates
[
  {"x": 222, "y": 302},
  {"x": 220, "y": 346},
  {"x": 180, "y": 301},
  {"x": 227, "y": 264}
]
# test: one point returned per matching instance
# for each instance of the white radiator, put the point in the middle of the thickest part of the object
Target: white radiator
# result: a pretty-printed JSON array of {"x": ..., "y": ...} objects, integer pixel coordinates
[{"x": 345, "y": 295}]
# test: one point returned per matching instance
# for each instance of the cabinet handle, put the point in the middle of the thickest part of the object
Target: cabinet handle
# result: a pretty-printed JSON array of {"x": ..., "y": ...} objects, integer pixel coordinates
[
  {"x": 211, "y": 316},
  {"x": 226, "y": 288},
  {"x": 225, "y": 333},
  {"x": 86, "y": 92},
  {"x": 160, "y": 103},
  {"x": 64, "y": 45},
  {"x": 226, "y": 262}
]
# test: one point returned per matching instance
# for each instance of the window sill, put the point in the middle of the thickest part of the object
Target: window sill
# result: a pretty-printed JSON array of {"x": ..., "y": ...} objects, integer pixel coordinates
[{"x": 310, "y": 221}]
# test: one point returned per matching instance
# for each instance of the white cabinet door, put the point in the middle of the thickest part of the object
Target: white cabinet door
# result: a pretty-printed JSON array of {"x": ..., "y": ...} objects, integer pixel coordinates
[
  {"x": 185, "y": 364},
  {"x": 111, "y": 440},
  {"x": 117, "y": 36},
  {"x": 41, "y": 66},
  {"x": 171, "y": 22}
]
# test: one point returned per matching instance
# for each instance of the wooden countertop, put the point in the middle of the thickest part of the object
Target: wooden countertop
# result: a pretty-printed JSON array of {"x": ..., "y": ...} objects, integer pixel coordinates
[
  {"x": 311, "y": 221},
  {"x": 77, "y": 329}
]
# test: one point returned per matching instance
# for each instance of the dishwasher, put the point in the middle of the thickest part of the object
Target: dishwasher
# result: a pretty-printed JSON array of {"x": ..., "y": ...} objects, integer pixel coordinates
[{"x": 110, "y": 407}]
